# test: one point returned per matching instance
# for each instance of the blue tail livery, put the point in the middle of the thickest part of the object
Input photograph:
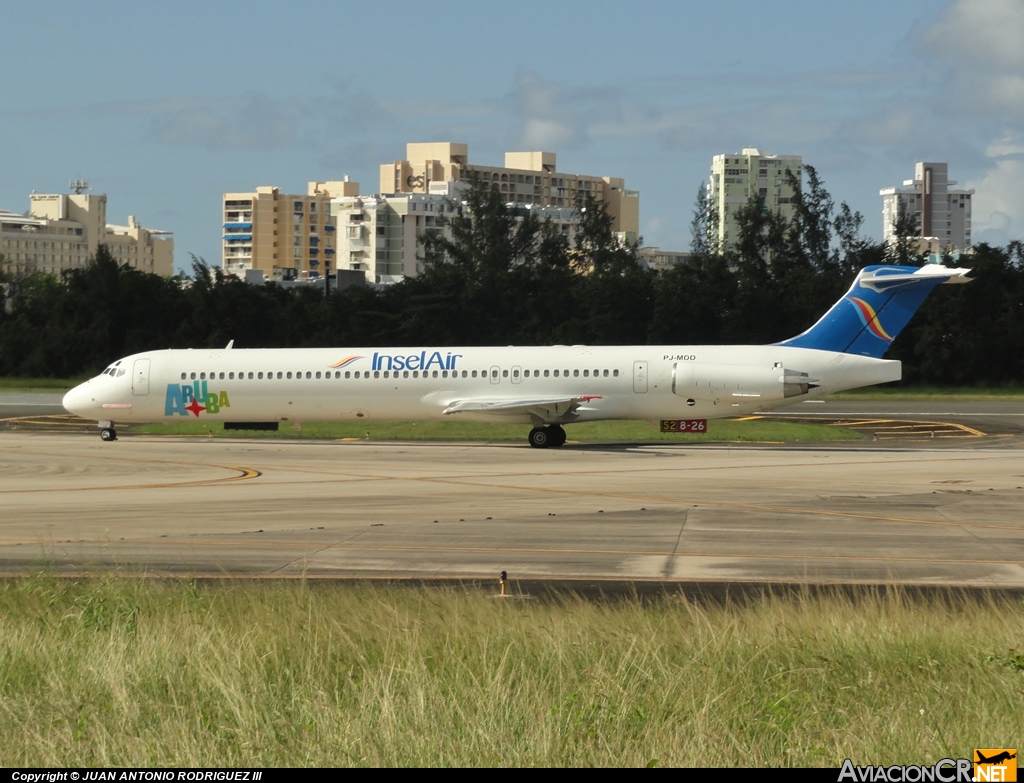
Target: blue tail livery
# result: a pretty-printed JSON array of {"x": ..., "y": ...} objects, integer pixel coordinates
[{"x": 874, "y": 311}]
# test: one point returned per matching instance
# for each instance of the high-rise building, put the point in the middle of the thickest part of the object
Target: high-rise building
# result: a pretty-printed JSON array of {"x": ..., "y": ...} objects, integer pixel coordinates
[
  {"x": 737, "y": 178},
  {"x": 942, "y": 213},
  {"x": 278, "y": 232},
  {"x": 63, "y": 230}
]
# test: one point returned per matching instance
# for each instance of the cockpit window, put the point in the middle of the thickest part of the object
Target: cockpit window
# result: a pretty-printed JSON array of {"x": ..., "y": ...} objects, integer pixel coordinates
[{"x": 120, "y": 372}]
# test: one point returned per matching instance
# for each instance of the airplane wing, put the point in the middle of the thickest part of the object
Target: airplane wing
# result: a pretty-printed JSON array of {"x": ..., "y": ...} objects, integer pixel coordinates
[{"x": 546, "y": 408}]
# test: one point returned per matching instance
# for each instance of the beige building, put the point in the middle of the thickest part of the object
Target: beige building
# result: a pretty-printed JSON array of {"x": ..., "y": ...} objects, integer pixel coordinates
[
  {"x": 527, "y": 178},
  {"x": 282, "y": 233},
  {"x": 736, "y": 178},
  {"x": 290, "y": 236},
  {"x": 63, "y": 230},
  {"x": 942, "y": 212}
]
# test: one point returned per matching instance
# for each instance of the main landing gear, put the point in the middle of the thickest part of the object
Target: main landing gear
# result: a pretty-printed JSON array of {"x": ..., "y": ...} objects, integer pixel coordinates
[{"x": 543, "y": 437}]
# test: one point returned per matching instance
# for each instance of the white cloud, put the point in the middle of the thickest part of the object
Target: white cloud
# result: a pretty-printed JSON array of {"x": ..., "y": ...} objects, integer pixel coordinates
[
  {"x": 997, "y": 212},
  {"x": 980, "y": 40}
]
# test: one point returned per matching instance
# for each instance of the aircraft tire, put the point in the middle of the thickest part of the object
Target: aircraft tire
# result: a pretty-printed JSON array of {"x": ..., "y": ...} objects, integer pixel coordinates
[
  {"x": 540, "y": 438},
  {"x": 557, "y": 435},
  {"x": 108, "y": 433}
]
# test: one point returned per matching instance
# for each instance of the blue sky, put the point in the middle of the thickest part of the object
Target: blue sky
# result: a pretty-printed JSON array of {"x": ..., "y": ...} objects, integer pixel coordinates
[{"x": 164, "y": 107}]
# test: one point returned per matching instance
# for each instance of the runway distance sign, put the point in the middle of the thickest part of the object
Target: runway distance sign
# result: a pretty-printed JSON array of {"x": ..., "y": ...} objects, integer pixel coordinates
[{"x": 684, "y": 425}]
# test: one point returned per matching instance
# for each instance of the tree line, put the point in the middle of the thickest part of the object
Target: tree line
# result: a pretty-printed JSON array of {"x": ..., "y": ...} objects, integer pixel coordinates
[{"x": 499, "y": 275}]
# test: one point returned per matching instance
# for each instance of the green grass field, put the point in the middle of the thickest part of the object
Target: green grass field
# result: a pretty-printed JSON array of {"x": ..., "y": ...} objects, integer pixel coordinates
[
  {"x": 129, "y": 672},
  {"x": 913, "y": 393}
]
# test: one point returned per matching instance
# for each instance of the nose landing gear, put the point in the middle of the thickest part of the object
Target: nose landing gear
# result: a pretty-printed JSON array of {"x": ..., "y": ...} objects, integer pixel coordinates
[{"x": 107, "y": 431}]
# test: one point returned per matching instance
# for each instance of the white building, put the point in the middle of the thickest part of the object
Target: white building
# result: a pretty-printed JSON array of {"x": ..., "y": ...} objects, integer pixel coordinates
[
  {"x": 942, "y": 213},
  {"x": 736, "y": 178},
  {"x": 380, "y": 235}
]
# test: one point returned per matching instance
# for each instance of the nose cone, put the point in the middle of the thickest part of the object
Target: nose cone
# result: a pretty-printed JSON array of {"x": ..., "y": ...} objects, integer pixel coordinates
[{"x": 80, "y": 401}]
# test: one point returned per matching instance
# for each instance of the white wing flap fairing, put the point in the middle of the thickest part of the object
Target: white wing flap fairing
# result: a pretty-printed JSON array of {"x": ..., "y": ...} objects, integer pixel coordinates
[{"x": 544, "y": 408}]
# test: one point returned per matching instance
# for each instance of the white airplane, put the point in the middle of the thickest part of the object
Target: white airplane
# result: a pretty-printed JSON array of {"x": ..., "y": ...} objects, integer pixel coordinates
[{"x": 546, "y": 387}]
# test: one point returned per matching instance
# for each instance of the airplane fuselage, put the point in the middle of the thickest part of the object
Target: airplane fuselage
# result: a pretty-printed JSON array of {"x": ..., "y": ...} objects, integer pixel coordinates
[{"x": 567, "y": 383}]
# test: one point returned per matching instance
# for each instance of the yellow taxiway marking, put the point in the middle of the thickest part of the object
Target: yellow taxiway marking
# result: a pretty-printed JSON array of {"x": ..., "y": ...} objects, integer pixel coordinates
[{"x": 243, "y": 475}]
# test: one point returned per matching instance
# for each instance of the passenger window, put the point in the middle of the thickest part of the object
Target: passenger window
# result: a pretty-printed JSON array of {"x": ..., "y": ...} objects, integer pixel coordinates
[
  {"x": 309, "y": 375},
  {"x": 556, "y": 373},
  {"x": 182, "y": 375},
  {"x": 515, "y": 373},
  {"x": 376, "y": 373},
  {"x": 250, "y": 376},
  {"x": 385, "y": 373},
  {"x": 202, "y": 376},
  {"x": 615, "y": 373},
  {"x": 415, "y": 373},
  {"x": 435, "y": 373},
  {"x": 347, "y": 374},
  {"x": 474, "y": 374},
  {"x": 289, "y": 376},
  {"x": 545, "y": 373},
  {"x": 279, "y": 376},
  {"x": 405, "y": 373},
  {"x": 575, "y": 373},
  {"x": 318, "y": 375},
  {"x": 586, "y": 373},
  {"x": 221, "y": 377},
  {"x": 260, "y": 376},
  {"x": 605, "y": 373}
]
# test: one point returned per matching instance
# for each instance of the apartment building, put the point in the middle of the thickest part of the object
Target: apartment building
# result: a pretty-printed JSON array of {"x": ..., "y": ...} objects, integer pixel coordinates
[
  {"x": 736, "y": 178},
  {"x": 941, "y": 212},
  {"x": 334, "y": 226},
  {"x": 380, "y": 235},
  {"x": 272, "y": 231},
  {"x": 527, "y": 178},
  {"x": 63, "y": 230}
]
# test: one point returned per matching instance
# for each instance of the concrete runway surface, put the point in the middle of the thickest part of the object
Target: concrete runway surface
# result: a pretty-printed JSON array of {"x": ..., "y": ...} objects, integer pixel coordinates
[{"x": 931, "y": 513}]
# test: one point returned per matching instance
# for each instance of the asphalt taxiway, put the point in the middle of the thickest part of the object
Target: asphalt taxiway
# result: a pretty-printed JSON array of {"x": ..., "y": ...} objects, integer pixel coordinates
[{"x": 929, "y": 512}]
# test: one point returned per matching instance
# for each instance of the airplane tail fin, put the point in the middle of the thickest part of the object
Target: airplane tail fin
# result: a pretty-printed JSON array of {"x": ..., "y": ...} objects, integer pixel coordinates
[{"x": 878, "y": 305}]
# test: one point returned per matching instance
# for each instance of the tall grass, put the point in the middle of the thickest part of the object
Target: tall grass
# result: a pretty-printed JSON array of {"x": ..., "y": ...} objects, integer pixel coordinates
[{"x": 133, "y": 672}]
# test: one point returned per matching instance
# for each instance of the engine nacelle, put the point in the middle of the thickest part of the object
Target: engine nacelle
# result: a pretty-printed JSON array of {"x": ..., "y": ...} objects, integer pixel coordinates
[{"x": 702, "y": 381}]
